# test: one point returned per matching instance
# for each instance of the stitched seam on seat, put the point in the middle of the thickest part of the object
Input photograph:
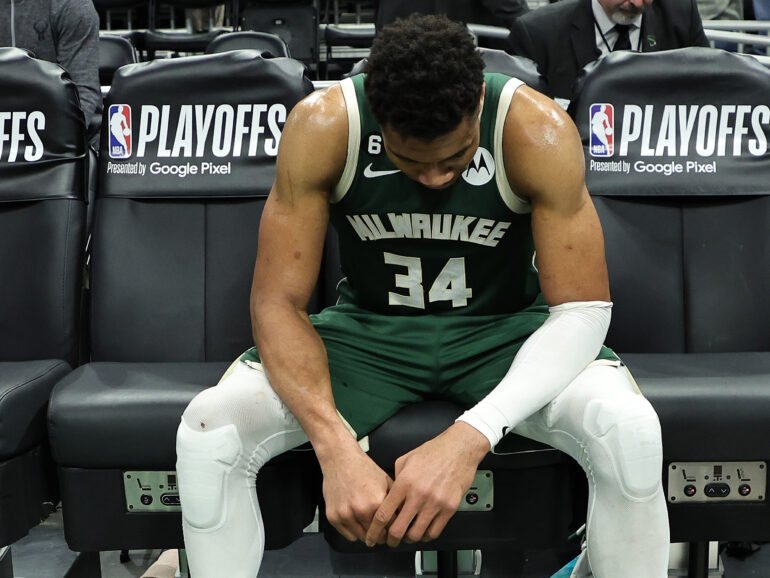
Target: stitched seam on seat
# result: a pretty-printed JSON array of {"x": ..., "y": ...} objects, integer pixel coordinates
[
  {"x": 205, "y": 281},
  {"x": 64, "y": 268},
  {"x": 36, "y": 378}
]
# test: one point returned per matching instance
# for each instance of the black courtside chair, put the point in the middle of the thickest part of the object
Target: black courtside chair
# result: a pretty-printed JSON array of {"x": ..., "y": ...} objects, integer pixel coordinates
[{"x": 43, "y": 183}]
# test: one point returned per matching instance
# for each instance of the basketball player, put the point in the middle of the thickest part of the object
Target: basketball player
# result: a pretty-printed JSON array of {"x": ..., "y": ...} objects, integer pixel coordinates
[{"x": 475, "y": 271}]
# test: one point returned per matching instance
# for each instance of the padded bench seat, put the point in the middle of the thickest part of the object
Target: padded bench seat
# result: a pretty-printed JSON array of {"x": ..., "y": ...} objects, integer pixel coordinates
[
  {"x": 713, "y": 407},
  {"x": 25, "y": 462},
  {"x": 135, "y": 408},
  {"x": 25, "y": 387},
  {"x": 112, "y": 398}
]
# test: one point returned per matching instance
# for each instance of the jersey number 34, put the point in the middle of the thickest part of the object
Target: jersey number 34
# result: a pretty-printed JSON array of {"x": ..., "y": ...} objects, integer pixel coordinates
[{"x": 448, "y": 286}]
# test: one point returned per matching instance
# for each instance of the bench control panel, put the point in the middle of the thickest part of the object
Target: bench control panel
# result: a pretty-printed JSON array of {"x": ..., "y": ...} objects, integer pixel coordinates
[
  {"x": 692, "y": 482},
  {"x": 481, "y": 495},
  {"x": 151, "y": 492},
  {"x": 158, "y": 492}
]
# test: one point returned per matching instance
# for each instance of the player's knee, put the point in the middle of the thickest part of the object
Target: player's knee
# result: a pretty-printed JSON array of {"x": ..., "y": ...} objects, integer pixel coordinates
[
  {"x": 245, "y": 400},
  {"x": 204, "y": 459},
  {"x": 628, "y": 430}
]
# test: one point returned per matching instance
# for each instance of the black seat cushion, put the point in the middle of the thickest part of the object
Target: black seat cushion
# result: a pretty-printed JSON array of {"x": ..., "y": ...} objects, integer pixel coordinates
[
  {"x": 25, "y": 387},
  {"x": 712, "y": 406},
  {"x": 134, "y": 407}
]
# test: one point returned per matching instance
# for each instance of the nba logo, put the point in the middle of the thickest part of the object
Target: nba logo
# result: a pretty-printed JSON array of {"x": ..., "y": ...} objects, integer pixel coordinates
[
  {"x": 602, "y": 130},
  {"x": 120, "y": 131}
]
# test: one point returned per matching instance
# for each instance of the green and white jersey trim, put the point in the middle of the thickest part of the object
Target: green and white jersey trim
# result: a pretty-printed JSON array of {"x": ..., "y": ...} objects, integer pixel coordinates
[
  {"x": 514, "y": 202},
  {"x": 354, "y": 141}
]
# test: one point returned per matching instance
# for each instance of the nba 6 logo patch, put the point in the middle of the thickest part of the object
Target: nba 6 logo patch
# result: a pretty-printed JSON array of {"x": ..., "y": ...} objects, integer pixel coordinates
[
  {"x": 120, "y": 131},
  {"x": 602, "y": 130}
]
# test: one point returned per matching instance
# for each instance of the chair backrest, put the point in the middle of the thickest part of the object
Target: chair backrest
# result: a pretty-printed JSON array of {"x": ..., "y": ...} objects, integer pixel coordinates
[
  {"x": 521, "y": 67},
  {"x": 495, "y": 61},
  {"x": 677, "y": 160},
  {"x": 114, "y": 51},
  {"x": 249, "y": 39},
  {"x": 187, "y": 160},
  {"x": 43, "y": 183}
]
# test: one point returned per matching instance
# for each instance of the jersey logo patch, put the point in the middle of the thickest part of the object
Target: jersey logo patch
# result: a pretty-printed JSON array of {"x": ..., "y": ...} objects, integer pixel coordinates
[
  {"x": 481, "y": 169},
  {"x": 370, "y": 173}
]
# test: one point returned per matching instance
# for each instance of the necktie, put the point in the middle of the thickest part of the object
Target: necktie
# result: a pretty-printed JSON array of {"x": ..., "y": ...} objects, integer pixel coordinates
[{"x": 623, "y": 42}]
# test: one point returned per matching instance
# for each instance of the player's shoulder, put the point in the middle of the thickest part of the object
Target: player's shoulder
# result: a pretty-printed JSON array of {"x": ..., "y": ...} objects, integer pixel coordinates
[
  {"x": 322, "y": 111},
  {"x": 535, "y": 120}
]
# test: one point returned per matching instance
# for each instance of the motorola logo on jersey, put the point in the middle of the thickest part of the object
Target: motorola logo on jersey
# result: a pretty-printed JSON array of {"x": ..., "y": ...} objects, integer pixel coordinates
[
  {"x": 481, "y": 169},
  {"x": 120, "y": 131},
  {"x": 20, "y": 136},
  {"x": 602, "y": 119}
]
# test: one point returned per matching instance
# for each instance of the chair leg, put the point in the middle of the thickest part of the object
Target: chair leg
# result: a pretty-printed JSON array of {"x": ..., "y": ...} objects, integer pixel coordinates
[
  {"x": 86, "y": 565},
  {"x": 6, "y": 562},
  {"x": 698, "y": 565},
  {"x": 446, "y": 564}
]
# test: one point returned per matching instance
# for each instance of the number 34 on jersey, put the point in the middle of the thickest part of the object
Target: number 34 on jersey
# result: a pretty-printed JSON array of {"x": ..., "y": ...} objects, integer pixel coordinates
[{"x": 449, "y": 285}]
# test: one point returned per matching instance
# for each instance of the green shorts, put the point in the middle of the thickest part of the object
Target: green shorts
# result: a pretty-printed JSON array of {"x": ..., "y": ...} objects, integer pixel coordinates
[{"x": 380, "y": 363}]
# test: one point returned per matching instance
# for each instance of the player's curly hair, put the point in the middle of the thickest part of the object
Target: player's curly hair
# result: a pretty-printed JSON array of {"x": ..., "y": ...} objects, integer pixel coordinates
[{"x": 424, "y": 76}]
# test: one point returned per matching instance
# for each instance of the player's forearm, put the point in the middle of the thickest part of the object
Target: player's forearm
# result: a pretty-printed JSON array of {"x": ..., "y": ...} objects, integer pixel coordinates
[
  {"x": 294, "y": 358},
  {"x": 549, "y": 360}
]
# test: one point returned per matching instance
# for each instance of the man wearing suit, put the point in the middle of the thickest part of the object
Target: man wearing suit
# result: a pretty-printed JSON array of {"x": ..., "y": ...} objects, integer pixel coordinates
[
  {"x": 489, "y": 12},
  {"x": 563, "y": 37}
]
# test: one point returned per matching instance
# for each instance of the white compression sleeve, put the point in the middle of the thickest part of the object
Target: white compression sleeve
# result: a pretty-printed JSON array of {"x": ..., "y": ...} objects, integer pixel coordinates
[{"x": 549, "y": 360}]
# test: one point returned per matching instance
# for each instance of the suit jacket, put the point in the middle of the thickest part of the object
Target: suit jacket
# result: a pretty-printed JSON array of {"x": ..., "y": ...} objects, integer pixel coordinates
[
  {"x": 490, "y": 12},
  {"x": 561, "y": 37}
]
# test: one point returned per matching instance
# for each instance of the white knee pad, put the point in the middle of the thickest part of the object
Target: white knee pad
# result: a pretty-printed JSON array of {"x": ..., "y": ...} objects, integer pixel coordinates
[
  {"x": 203, "y": 462},
  {"x": 628, "y": 431},
  {"x": 227, "y": 434}
]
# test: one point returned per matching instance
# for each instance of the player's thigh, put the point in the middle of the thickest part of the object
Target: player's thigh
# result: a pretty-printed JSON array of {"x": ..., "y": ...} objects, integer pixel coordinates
[
  {"x": 602, "y": 413},
  {"x": 378, "y": 365}
]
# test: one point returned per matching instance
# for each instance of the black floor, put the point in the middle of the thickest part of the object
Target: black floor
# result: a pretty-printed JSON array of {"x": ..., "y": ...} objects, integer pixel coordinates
[{"x": 44, "y": 554}]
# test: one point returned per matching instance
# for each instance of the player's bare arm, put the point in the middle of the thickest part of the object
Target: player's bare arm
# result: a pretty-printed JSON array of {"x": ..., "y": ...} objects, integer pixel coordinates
[
  {"x": 291, "y": 238},
  {"x": 544, "y": 163}
]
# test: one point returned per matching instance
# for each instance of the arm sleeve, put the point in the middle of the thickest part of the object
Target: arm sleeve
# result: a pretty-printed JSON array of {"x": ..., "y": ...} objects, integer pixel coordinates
[
  {"x": 76, "y": 25},
  {"x": 549, "y": 360}
]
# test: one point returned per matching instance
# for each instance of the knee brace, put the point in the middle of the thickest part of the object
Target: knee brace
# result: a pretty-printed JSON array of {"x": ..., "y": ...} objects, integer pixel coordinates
[
  {"x": 628, "y": 430},
  {"x": 204, "y": 460},
  {"x": 227, "y": 434}
]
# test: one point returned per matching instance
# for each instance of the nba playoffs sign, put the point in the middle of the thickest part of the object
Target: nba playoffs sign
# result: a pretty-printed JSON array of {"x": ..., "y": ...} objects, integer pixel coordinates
[
  {"x": 42, "y": 130},
  {"x": 669, "y": 125},
  {"x": 171, "y": 140},
  {"x": 198, "y": 126}
]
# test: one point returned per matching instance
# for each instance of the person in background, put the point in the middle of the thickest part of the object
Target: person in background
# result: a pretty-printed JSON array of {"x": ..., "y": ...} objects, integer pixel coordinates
[
  {"x": 204, "y": 19},
  {"x": 62, "y": 31},
  {"x": 762, "y": 9},
  {"x": 720, "y": 9},
  {"x": 564, "y": 37},
  {"x": 500, "y": 13}
]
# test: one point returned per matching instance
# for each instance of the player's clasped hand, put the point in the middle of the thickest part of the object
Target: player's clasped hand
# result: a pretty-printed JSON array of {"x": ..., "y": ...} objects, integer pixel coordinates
[
  {"x": 430, "y": 483},
  {"x": 354, "y": 487}
]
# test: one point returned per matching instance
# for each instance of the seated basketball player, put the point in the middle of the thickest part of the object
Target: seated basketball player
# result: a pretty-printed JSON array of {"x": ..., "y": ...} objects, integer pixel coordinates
[{"x": 475, "y": 271}]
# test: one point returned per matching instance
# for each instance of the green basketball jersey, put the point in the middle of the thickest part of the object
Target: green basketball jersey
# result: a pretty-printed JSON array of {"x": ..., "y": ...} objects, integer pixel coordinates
[{"x": 409, "y": 250}]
